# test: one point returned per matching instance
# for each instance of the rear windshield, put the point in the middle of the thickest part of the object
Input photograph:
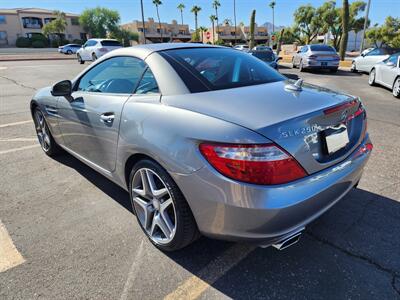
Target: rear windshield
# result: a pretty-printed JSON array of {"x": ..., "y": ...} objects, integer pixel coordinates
[
  {"x": 267, "y": 56},
  {"x": 322, "y": 48},
  {"x": 110, "y": 43},
  {"x": 205, "y": 69}
]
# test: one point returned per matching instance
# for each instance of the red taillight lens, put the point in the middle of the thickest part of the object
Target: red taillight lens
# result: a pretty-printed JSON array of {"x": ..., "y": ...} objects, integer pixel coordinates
[
  {"x": 364, "y": 149},
  {"x": 258, "y": 164},
  {"x": 340, "y": 107}
]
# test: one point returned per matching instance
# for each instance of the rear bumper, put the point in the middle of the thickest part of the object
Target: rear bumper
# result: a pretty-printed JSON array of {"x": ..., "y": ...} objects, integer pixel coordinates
[
  {"x": 314, "y": 64},
  {"x": 236, "y": 211}
]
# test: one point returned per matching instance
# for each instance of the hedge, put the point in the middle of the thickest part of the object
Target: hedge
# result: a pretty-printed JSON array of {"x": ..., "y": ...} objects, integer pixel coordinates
[{"x": 23, "y": 42}]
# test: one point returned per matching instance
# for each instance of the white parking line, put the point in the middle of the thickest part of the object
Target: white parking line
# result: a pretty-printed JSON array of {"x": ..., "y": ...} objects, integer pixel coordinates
[
  {"x": 193, "y": 287},
  {"x": 15, "y": 123},
  {"x": 3, "y": 68},
  {"x": 9, "y": 255},
  {"x": 19, "y": 140},
  {"x": 18, "y": 149}
]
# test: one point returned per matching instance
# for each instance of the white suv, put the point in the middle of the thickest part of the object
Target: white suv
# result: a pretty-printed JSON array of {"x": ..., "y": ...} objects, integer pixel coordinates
[{"x": 95, "y": 48}]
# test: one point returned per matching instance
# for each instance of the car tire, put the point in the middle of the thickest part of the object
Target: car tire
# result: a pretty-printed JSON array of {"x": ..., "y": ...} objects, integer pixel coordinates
[
  {"x": 80, "y": 60},
  {"x": 69, "y": 52},
  {"x": 162, "y": 211},
  {"x": 46, "y": 140},
  {"x": 353, "y": 67},
  {"x": 371, "y": 77},
  {"x": 396, "y": 87},
  {"x": 293, "y": 64},
  {"x": 301, "y": 67},
  {"x": 94, "y": 57}
]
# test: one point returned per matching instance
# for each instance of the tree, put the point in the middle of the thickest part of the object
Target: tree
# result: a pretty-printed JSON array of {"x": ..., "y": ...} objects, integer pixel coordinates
[
  {"x": 272, "y": 5},
  {"x": 280, "y": 39},
  {"x": 56, "y": 26},
  {"x": 345, "y": 29},
  {"x": 213, "y": 18},
  {"x": 124, "y": 36},
  {"x": 195, "y": 10},
  {"x": 308, "y": 20},
  {"x": 202, "y": 29},
  {"x": 215, "y": 5},
  {"x": 290, "y": 36},
  {"x": 387, "y": 34},
  {"x": 98, "y": 21},
  {"x": 158, "y": 3},
  {"x": 252, "y": 26},
  {"x": 181, "y": 7},
  {"x": 227, "y": 22},
  {"x": 357, "y": 23}
]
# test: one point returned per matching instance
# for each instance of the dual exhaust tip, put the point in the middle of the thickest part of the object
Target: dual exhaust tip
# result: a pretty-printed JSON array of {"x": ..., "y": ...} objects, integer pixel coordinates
[{"x": 287, "y": 241}]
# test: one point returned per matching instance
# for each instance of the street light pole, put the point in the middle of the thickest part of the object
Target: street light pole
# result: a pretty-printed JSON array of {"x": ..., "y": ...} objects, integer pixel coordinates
[
  {"x": 234, "y": 17},
  {"x": 144, "y": 29},
  {"x": 365, "y": 26}
]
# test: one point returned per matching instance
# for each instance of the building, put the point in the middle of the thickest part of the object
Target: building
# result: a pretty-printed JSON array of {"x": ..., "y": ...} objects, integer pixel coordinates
[
  {"x": 23, "y": 22},
  {"x": 170, "y": 31},
  {"x": 226, "y": 33},
  {"x": 353, "y": 41}
]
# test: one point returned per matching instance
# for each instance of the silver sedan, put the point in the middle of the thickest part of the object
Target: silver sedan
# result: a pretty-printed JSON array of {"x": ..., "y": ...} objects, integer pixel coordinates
[
  {"x": 387, "y": 73},
  {"x": 208, "y": 140},
  {"x": 317, "y": 56}
]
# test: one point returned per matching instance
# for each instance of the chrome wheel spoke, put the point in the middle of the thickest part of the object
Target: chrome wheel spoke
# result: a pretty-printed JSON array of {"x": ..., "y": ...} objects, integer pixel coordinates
[{"x": 147, "y": 211}]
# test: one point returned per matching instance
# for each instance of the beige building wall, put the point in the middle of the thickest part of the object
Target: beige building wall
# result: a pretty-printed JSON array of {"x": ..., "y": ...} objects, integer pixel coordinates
[
  {"x": 14, "y": 24},
  {"x": 226, "y": 33}
]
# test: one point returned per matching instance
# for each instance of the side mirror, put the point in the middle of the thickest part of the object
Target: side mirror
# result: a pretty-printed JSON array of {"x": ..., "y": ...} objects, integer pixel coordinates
[
  {"x": 362, "y": 54},
  {"x": 62, "y": 88},
  {"x": 390, "y": 64},
  {"x": 278, "y": 58},
  {"x": 298, "y": 51}
]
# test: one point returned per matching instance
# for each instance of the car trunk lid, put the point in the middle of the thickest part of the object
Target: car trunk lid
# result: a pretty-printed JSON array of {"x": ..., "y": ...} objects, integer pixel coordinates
[{"x": 298, "y": 121}]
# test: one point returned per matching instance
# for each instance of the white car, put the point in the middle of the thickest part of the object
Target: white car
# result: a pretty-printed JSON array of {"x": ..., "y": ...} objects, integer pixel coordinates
[
  {"x": 365, "y": 62},
  {"x": 241, "y": 47},
  {"x": 95, "y": 48},
  {"x": 387, "y": 73}
]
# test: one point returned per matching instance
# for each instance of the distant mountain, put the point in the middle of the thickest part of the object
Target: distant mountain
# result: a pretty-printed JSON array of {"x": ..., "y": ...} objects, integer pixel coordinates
[{"x": 269, "y": 27}]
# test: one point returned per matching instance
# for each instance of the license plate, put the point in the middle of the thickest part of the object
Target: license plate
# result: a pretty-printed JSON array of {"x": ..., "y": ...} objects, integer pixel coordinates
[
  {"x": 324, "y": 63},
  {"x": 337, "y": 140}
]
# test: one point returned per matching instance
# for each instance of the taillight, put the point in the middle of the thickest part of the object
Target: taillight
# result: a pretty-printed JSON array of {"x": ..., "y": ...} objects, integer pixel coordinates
[
  {"x": 364, "y": 149},
  {"x": 340, "y": 107},
  {"x": 259, "y": 164},
  {"x": 103, "y": 49}
]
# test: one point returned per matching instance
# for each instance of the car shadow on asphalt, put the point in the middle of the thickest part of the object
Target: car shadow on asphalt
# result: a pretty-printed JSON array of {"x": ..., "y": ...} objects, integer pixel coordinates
[{"x": 352, "y": 251}]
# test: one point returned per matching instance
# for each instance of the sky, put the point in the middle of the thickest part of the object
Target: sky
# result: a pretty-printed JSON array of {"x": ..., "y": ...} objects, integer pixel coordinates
[{"x": 130, "y": 9}]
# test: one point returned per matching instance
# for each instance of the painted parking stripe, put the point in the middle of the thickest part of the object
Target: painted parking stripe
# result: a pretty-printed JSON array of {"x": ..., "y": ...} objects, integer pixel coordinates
[
  {"x": 9, "y": 255},
  {"x": 19, "y": 149},
  {"x": 15, "y": 123},
  {"x": 19, "y": 140},
  {"x": 193, "y": 287}
]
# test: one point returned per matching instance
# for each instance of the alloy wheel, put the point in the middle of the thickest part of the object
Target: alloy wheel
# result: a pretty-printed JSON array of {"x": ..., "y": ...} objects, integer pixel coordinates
[
  {"x": 396, "y": 88},
  {"x": 154, "y": 206},
  {"x": 42, "y": 131},
  {"x": 371, "y": 78}
]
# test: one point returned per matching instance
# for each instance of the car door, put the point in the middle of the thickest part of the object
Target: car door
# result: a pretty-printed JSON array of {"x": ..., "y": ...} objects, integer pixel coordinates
[
  {"x": 89, "y": 121},
  {"x": 372, "y": 58},
  {"x": 390, "y": 70}
]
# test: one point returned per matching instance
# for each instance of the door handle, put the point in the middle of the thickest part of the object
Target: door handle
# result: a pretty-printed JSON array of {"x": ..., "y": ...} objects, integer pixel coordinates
[{"x": 107, "y": 118}]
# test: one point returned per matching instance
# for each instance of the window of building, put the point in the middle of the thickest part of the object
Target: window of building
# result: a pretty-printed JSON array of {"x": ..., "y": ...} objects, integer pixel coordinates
[
  {"x": 3, "y": 20},
  {"x": 32, "y": 22},
  {"x": 48, "y": 20},
  {"x": 75, "y": 21},
  {"x": 3, "y": 35}
]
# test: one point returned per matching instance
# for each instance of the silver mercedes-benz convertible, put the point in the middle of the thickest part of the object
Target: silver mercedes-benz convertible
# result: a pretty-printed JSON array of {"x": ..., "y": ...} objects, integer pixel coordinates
[{"x": 208, "y": 140}]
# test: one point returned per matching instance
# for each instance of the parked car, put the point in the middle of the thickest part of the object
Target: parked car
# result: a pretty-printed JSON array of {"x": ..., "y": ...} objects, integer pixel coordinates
[
  {"x": 208, "y": 140},
  {"x": 365, "y": 51},
  {"x": 95, "y": 48},
  {"x": 262, "y": 48},
  {"x": 267, "y": 56},
  {"x": 318, "y": 56},
  {"x": 387, "y": 73},
  {"x": 365, "y": 62},
  {"x": 69, "y": 48},
  {"x": 241, "y": 47}
]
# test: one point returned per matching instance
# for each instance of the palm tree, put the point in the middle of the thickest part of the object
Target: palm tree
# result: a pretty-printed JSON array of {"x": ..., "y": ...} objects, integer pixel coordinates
[
  {"x": 181, "y": 7},
  {"x": 272, "y": 5},
  {"x": 195, "y": 9},
  {"x": 252, "y": 26},
  {"x": 227, "y": 22},
  {"x": 215, "y": 5},
  {"x": 144, "y": 30},
  {"x": 345, "y": 29},
  {"x": 213, "y": 18},
  {"x": 157, "y": 3},
  {"x": 202, "y": 30}
]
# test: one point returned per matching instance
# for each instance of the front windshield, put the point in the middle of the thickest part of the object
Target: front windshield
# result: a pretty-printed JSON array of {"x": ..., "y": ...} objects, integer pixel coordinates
[{"x": 266, "y": 56}]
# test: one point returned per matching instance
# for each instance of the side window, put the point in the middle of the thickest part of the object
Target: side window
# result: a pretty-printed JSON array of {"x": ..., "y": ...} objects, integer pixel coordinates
[
  {"x": 304, "y": 49},
  {"x": 148, "y": 84},
  {"x": 392, "y": 59},
  {"x": 117, "y": 75},
  {"x": 374, "y": 52}
]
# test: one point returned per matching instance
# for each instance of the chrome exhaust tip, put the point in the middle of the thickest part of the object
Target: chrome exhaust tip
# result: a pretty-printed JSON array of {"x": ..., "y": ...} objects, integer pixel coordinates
[{"x": 288, "y": 241}]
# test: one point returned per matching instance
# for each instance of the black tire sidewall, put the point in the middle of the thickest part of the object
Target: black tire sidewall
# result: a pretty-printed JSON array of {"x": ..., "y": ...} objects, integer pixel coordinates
[
  {"x": 54, "y": 149},
  {"x": 178, "y": 199}
]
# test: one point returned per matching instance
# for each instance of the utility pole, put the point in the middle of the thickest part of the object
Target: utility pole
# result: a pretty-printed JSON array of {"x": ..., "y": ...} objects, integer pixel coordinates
[
  {"x": 144, "y": 29},
  {"x": 234, "y": 16},
  {"x": 365, "y": 26}
]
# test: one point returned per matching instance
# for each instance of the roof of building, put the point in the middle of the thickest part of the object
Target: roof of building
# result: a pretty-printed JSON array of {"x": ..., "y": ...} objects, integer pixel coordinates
[{"x": 32, "y": 10}]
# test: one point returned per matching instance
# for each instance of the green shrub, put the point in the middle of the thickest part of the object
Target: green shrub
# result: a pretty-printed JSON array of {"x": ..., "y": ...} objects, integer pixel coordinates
[
  {"x": 23, "y": 42},
  {"x": 38, "y": 44},
  {"x": 41, "y": 38}
]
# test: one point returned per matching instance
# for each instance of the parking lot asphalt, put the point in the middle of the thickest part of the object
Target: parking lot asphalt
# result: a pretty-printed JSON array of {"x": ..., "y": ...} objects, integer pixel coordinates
[{"x": 77, "y": 238}]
